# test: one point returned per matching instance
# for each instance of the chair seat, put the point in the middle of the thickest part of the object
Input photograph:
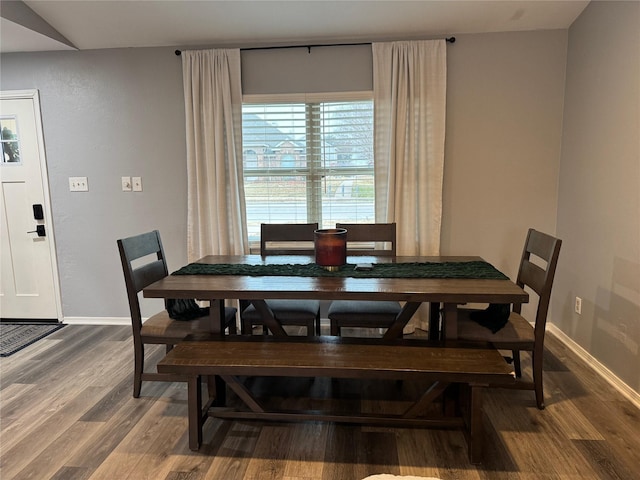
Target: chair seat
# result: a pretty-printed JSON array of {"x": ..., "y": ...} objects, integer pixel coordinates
[
  {"x": 285, "y": 311},
  {"x": 361, "y": 313},
  {"x": 354, "y": 313},
  {"x": 517, "y": 332},
  {"x": 161, "y": 325}
]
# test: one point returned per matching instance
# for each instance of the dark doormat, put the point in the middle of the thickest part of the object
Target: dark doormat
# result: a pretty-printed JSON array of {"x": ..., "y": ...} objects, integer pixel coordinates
[{"x": 16, "y": 336}]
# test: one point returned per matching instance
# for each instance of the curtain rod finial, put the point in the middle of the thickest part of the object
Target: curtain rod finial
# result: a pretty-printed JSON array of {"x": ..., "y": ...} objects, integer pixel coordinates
[
  {"x": 451, "y": 39},
  {"x": 178, "y": 53}
]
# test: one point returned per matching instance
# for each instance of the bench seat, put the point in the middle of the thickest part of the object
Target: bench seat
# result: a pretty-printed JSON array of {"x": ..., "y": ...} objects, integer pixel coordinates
[{"x": 229, "y": 358}]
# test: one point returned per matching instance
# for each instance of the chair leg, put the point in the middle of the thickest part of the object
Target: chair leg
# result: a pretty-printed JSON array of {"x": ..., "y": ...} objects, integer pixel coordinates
[
  {"x": 138, "y": 368},
  {"x": 245, "y": 327},
  {"x": 317, "y": 322},
  {"x": 233, "y": 328},
  {"x": 311, "y": 328},
  {"x": 516, "y": 363},
  {"x": 537, "y": 377},
  {"x": 335, "y": 328}
]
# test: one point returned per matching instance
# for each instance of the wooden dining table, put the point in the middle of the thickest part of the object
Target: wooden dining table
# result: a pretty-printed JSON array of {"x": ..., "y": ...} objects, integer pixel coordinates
[{"x": 445, "y": 293}]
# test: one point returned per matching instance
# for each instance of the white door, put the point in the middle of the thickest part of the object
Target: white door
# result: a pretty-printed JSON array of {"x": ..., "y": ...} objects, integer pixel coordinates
[{"x": 29, "y": 288}]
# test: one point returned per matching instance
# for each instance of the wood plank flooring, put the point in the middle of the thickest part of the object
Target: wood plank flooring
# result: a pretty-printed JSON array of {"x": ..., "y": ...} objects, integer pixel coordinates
[{"x": 67, "y": 413}]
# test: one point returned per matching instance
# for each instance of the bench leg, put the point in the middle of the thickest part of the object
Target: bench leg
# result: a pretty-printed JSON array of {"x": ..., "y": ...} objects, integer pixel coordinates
[{"x": 194, "y": 404}]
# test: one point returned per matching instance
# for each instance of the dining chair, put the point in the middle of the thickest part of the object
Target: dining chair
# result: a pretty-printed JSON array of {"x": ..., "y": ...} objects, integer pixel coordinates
[
  {"x": 376, "y": 239},
  {"x": 143, "y": 262},
  {"x": 285, "y": 239},
  {"x": 537, "y": 270}
]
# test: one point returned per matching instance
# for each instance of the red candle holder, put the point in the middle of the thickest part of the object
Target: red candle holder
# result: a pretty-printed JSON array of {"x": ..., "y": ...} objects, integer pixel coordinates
[{"x": 331, "y": 248}]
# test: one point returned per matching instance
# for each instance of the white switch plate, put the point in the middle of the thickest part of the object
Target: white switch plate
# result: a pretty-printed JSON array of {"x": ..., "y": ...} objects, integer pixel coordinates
[
  {"x": 78, "y": 184},
  {"x": 137, "y": 184},
  {"x": 126, "y": 184}
]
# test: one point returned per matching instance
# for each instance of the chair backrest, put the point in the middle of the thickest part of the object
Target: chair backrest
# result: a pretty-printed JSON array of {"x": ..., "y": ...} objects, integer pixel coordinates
[
  {"x": 370, "y": 238},
  {"x": 287, "y": 238},
  {"x": 537, "y": 277},
  {"x": 145, "y": 272}
]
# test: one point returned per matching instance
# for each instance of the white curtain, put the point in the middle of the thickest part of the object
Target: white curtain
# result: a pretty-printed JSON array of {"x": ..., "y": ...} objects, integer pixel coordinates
[
  {"x": 409, "y": 88},
  {"x": 213, "y": 109},
  {"x": 409, "y": 85}
]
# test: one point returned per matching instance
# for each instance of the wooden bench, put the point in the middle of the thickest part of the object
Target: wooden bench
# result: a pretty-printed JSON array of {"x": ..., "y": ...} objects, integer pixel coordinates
[{"x": 229, "y": 358}]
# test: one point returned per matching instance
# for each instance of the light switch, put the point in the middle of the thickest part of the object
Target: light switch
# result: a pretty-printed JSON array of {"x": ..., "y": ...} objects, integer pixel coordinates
[
  {"x": 137, "y": 184},
  {"x": 126, "y": 184},
  {"x": 78, "y": 184}
]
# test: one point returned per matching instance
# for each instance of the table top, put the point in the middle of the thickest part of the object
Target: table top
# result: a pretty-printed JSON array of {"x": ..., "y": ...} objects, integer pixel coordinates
[{"x": 244, "y": 287}]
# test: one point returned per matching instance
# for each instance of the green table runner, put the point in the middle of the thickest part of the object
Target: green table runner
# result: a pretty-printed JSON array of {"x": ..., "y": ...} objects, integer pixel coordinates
[{"x": 474, "y": 269}]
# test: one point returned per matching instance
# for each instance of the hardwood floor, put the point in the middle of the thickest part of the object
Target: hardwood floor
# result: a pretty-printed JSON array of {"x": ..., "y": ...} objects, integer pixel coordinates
[{"x": 67, "y": 412}]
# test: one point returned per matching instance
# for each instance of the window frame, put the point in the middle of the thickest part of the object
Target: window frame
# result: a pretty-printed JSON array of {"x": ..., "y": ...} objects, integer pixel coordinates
[{"x": 312, "y": 169}]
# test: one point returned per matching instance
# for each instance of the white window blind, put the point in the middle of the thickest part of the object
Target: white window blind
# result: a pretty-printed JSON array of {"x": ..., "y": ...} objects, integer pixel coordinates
[{"x": 308, "y": 161}]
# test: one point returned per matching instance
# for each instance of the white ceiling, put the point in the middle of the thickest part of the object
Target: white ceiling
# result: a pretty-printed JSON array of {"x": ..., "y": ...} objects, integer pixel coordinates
[{"x": 133, "y": 23}]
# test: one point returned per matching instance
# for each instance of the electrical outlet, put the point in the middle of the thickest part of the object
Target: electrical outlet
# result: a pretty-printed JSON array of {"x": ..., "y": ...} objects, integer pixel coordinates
[
  {"x": 578, "y": 306},
  {"x": 137, "y": 184},
  {"x": 126, "y": 184},
  {"x": 78, "y": 184}
]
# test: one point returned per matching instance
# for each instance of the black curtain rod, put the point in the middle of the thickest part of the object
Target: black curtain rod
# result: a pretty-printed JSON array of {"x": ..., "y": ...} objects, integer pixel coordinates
[{"x": 309, "y": 47}]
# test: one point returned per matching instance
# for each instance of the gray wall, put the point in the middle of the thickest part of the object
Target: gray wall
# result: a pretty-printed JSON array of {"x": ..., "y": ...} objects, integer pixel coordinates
[
  {"x": 298, "y": 70},
  {"x": 504, "y": 121},
  {"x": 599, "y": 201},
  {"x": 108, "y": 114}
]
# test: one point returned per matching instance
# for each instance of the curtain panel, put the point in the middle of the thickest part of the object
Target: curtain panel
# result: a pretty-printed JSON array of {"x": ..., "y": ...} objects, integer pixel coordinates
[
  {"x": 409, "y": 88},
  {"x": 216, "y": 223}
]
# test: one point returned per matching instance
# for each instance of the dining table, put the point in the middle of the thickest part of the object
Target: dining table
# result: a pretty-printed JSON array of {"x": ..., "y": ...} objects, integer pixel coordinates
[{"x": 441, "y": 281}]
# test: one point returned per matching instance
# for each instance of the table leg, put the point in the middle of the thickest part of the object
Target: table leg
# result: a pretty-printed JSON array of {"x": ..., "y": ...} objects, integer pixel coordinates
[
  {"x": 216, "y": 390},
  {"x": 450, "y": 321},
  {"x": 221, "y": 392},
  {"x": 216, "y": 316},
  {"x": 215, "y": 385},
  {"x": 476, "y": 435},
  {"x": 395, "y": 331},
  {"x": 268, "y": 318},
  {"x": 434, "y": 321}
]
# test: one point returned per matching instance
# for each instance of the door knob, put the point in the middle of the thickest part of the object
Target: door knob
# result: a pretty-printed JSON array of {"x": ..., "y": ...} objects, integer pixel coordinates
[{"x": 39, "y": 230}]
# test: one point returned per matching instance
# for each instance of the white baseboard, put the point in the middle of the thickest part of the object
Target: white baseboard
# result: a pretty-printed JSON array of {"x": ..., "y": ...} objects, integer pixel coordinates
[
  {"x": 598, "y": 367},
  {"x": 97, "y": 320}
]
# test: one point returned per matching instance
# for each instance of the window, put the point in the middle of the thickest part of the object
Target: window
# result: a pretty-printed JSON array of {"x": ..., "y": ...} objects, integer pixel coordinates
[
  {"x": 9, "y": 140},
  {"x": 309, "y": 161}
]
